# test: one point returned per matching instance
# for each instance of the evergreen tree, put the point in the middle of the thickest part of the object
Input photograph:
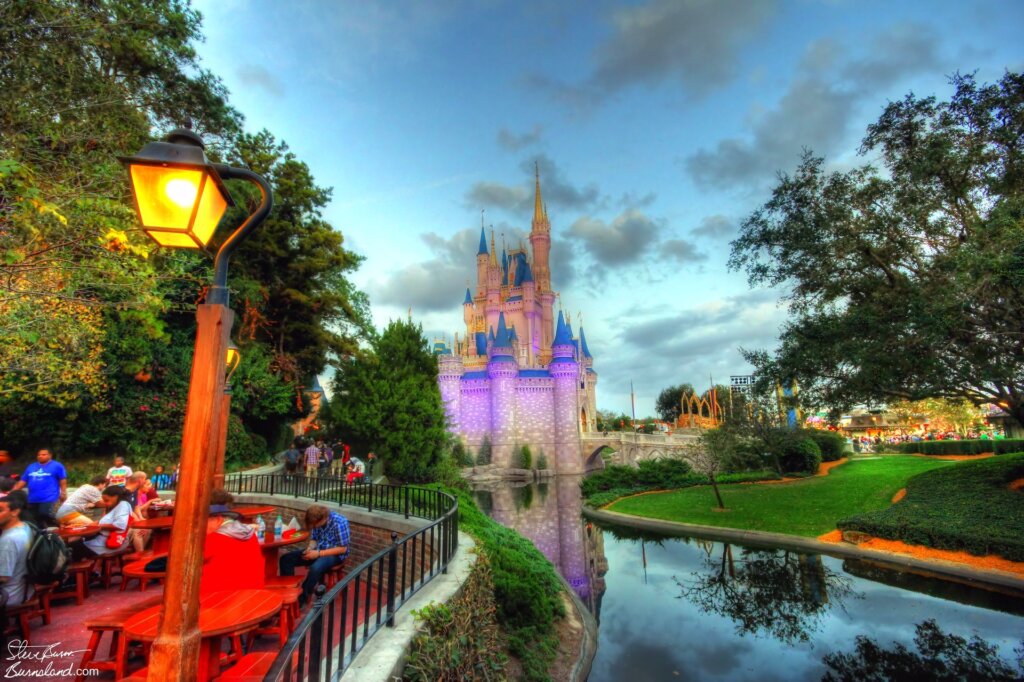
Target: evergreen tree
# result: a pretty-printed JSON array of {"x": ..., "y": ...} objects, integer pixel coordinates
[{"x": 387, "y": 399}]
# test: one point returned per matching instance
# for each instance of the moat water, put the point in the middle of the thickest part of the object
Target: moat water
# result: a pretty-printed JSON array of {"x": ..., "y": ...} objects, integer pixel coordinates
[{"x": 676, "y": 608}]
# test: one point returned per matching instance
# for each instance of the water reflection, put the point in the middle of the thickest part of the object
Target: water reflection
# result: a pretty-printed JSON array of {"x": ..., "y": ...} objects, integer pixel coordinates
[
  {"x": 549, "y": 514},
  {"x": 766, "y": 592},
  {"x": 683, "y": 608}
]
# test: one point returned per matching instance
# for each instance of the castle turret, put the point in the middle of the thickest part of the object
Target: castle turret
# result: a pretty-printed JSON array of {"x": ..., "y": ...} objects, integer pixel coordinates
[
  {"x": 503, "y": 371},
  {"x": 467, "y": 309},
  {"x": 589, "y": 397},
  {"x": 449, "y": 379},
  {"x": 493, "y": 305},
  {"x": 481, "y": 263},
  {"x": 540, "y": 241},
  {"x": 564, "y": 370}
]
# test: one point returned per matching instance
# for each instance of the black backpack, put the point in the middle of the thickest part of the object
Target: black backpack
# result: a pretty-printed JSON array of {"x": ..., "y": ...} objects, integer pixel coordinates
[{"x": 48, "y": 557}]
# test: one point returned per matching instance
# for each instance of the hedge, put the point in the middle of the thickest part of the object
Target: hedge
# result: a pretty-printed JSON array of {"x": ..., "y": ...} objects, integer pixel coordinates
[
  {"x": 961, "y": 447},
  {"x": 968, "y": 507},
  {"x": 621, "y": 481}
]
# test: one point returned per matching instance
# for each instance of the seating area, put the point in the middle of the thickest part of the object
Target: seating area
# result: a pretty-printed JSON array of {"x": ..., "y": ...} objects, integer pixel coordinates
[{"x": 108, "y": 608}]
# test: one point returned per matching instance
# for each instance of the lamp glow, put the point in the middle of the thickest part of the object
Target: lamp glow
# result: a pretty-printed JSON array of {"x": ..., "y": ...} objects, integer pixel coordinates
[{"x": 181, "y": 191}]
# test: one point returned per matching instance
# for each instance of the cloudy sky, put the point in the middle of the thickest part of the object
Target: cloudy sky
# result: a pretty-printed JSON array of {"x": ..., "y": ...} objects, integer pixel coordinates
[{"x": 657, "y": 125}]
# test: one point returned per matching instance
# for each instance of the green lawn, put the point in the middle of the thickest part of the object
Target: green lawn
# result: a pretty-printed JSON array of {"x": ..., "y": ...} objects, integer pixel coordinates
[{"x": 809, "y": 507}]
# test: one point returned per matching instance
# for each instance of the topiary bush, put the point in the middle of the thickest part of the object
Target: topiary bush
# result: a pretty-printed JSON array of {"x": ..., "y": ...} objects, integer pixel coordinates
[
  {"x": 461, "y": 455},
  {"x": 524, "y": 458},
  {"x": 483, "y": 455},
  {"x": 830, "y": 443},
  {"x": 542, "y": 460},
  {"x": 962, "y": 447},
  {"x": 800, "y": 455}
]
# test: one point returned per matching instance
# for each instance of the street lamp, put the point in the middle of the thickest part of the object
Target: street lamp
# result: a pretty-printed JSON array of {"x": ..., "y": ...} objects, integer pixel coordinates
[
  {"x": 180, "y": 197},
  {"x": 232, "y": 358}
]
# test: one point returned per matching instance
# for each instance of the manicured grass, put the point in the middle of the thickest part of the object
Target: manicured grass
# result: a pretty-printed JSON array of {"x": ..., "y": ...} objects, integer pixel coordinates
[
  {"x": 970, "y": 508},
  {"x": 809, "y": 507}
]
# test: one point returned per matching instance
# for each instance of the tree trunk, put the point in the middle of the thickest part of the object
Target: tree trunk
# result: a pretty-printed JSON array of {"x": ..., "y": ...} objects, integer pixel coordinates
[{"x": 718, "y": 495}]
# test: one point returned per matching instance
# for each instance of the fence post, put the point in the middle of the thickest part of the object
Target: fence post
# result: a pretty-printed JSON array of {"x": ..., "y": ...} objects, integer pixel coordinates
[
  {"x": 316, "y": 642},
  {"x": 272, "y": 479},
  {"x": 392, "y": 577},
  {"x": 406, "y": 488}
]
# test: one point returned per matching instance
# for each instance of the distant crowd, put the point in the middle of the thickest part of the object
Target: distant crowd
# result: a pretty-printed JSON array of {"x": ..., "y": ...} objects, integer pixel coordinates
[{"x": 313, "y": 458}]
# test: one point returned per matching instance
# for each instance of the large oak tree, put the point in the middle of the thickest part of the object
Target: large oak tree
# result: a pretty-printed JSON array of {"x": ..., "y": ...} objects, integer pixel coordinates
[{"x": 906, "y": 282}]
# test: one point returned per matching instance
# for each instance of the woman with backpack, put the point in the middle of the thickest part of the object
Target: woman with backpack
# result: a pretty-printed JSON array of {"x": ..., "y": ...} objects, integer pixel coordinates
[{"x": 113, "y": 526}]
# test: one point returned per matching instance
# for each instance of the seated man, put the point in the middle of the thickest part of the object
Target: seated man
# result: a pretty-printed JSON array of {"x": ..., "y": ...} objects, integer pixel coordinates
[
  {"x": 329, "y": 533},
  {"x": 232, "y": 558},
  {"x": 14, "y": 544},
  {"x": 87, "y": 496}
]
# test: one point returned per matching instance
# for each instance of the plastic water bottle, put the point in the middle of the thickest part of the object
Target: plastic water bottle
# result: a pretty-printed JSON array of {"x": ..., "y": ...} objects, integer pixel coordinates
[
  {"x": 278, "y": 527},
  {"x": 261, "y": 529}
]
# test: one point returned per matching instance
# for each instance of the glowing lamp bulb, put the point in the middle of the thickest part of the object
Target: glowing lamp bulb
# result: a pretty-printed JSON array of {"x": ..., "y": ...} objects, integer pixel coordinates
[{"x": 181, "y": 192}]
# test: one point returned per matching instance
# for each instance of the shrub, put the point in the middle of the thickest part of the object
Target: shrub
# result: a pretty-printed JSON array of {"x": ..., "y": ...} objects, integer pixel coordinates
[
  {"x": 968, "y": 507},
  {"x": 542, "y": 460},
  {"x": 526, "y": 588},
  {"x": 524, "y": 458},
  {"x": 962, "y": 447},
  {"x": 800, "y": 455},
  {"x": 831, "y": 444},
  {"x": 461, "y": 640},
  {"x": 483, "y": 455},
  {"x": 461, "y": 455}
]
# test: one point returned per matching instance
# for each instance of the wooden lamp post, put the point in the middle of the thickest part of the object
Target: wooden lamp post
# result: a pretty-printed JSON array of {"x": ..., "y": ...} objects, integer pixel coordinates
[
  {"x": 180, "y": 197},
  {"x": 232, "y": 358}
]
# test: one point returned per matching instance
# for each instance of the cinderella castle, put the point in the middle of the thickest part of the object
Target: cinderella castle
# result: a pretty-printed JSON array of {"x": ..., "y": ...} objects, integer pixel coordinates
[{"x": 518, "y": 376}]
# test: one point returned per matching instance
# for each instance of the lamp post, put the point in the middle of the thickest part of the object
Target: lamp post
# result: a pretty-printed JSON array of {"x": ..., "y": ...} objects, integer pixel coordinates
[
  {"x": 180, "y": 197},
  {"x": 232, "y": 359}
]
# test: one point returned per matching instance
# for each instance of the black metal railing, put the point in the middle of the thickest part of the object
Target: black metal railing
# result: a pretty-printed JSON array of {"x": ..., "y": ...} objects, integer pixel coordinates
[{"x": 344, "y": 618}]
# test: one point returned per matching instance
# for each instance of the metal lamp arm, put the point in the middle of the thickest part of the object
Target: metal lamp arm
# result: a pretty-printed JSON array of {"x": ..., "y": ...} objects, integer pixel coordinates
[{"x": 219, "y": 291}]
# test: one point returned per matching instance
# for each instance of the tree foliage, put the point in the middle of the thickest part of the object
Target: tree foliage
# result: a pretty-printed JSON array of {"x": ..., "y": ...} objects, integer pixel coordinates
[
  {"x": 909, "y": 282},
  {"x": 386, "y": 399},
  {"x": 669, "y": 402}
]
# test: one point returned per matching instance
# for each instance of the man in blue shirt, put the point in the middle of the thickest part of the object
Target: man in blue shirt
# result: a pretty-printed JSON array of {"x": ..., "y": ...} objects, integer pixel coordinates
[
  {"x": 329, "y": 530},
  {"x": 47, "y": 487}
]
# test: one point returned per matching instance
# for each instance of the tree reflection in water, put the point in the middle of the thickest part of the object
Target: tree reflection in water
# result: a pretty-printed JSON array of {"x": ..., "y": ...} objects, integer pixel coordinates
[
  {"x": 939, "y": 656},
  {"x": 772, "y": 592}
]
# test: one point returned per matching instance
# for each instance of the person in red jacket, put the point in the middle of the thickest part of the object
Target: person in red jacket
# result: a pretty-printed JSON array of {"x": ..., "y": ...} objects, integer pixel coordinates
[{"x": 232, "y": 559}]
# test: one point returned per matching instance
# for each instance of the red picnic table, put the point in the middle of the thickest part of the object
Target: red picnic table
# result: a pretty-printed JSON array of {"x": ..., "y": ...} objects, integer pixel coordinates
[
  {"x": 161, "y": 527},
  {"x": 221, "y": 614},
  {"x": 271, "y": 544},
  {"x": 248, "y": 511}
]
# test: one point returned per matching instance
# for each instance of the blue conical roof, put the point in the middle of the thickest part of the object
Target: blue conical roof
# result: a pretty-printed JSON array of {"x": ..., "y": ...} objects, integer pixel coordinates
[
  {"x": 481, "y": 343},
  {"x": 583, "y": 344},
  {"x": 482, "y": 251},
  {"x": 512, "y": 334},
  {"x": 504, "y": 263},
  {"x": 469, "y": 298},
  {"x": 563, "y": 335},
  {"x": 501, "y": 339},
  {"x": 490, "y": 334},
  {"x": 523, "y": 271}
]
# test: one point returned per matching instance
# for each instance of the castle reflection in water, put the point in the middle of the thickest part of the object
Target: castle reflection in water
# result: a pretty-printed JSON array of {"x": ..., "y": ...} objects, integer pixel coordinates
[{"x": 549, "y": 513}]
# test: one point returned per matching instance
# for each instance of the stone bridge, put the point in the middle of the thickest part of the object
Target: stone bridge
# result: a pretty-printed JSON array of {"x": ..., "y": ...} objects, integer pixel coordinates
[{"x": 630, "y": 448}]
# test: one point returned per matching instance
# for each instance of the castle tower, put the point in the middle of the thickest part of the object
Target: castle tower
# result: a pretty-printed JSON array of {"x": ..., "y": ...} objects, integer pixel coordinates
[
  {"x": 493, "y": 306},
  {"x": 565, "y": 371},
  {"x": 503, "y": 371},
  {"x": 449, "y": 379},
  {"x": 588, "y": 417},
  {"x": 540, "y": 241},
  {"x": 481, "y": 264}
]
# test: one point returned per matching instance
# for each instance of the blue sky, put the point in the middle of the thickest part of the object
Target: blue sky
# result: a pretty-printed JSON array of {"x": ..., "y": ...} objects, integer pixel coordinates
[{"x": 658, "y": 126}]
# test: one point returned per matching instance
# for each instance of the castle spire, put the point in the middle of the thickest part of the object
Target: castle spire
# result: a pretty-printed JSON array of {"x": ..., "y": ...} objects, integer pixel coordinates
[
  {"x": 538, "y": 204},
  {"x": 483, "y": 239},
  {"x": 494, "y": 252}
]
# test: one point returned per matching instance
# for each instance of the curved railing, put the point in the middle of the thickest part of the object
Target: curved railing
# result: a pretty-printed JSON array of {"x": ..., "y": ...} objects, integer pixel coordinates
[{"x": 343, "y": 619}]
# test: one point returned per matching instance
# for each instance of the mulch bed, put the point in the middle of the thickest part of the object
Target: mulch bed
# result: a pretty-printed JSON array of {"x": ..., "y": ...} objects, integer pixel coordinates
[{"x": 990, "y": 562}]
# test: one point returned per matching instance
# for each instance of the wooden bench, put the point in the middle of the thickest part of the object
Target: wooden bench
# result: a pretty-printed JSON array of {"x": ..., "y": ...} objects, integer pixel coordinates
[
  {"x": 251, "y": 667},
  {"x": 37, "y": 606},
  {"x": 286, "y": 617},
  {"x": 81, "y": 571},
  {"x": 283, "y": 581},
  {"x": 137, "y": 571},
  {"x": 112, "y": 622},
  {"x": 334, "y": 575},
  {"x": 113, "y": 563}
]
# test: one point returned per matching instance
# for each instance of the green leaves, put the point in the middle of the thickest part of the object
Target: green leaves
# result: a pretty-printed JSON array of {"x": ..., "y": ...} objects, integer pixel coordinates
[{"x": 904, "y": 283}]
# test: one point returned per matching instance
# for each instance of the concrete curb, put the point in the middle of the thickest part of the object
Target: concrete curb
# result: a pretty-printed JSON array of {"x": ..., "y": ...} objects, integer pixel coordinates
[{"x": 990, "y": 580}]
